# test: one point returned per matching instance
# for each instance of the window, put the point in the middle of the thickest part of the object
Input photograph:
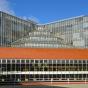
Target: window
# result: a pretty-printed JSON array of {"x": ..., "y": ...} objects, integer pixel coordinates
[
  {"x": 13, "y": 61},
  {"x": 41, "y": 61},
  {"x": 58, "y": 61},
  {"x": 45, "y": 61},
  {"x": 85, "y": 25},
  {"x": 84, "y": 61},
  {"x": 22, "y": 61},
  {"x": 75, "y": 61},
  {"x": 63, "y": 61},
  {"x": 54, "y": 61},
  {"x": 50, "y": 61},
  {"x": 3, "y": 61},
  {"x": 71, "y": 61},
  {"x": 18, "y": 61},
  {"x": 8, "y": 61},
  {"x": 27, "y": 61},
  {"x": 67, "y": 61},
  {"x": 36, "y": 61},
  {"x": 79, "y": 61}
]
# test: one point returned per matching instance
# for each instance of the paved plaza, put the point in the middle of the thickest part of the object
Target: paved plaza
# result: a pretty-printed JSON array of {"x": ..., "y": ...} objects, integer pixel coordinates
[
  {"x": 60, "y": 86},
  {"x": 31, "y": 87}
]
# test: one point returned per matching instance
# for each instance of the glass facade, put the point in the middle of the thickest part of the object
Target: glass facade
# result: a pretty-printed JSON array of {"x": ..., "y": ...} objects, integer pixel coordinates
[
  {"x": 69, "y": 33},
  {"x": 25, "y": 70},
  {"x": 13, "y": 29}
]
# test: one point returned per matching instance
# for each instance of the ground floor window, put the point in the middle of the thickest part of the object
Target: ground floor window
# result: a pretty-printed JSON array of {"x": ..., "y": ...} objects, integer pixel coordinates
[{"x": 21, "y": 70}]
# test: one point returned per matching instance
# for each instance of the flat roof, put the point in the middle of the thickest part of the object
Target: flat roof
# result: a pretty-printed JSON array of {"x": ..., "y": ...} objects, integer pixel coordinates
[{"x": 43, "y": 53}]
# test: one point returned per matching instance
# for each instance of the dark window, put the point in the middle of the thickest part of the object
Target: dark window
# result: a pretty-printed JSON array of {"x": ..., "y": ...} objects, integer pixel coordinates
[
  {"x": 36, "y": 61},
  {"x": 13, "y": 61},
  {"x": 41, "y": 76},
  {"x": 84, "y": 61},
  {"x": 63, "y": 61},
  {"x": 22, "y": 61},
  {"x": 8, "y": 61},
  {"x": 45, "y": 76},
  {"x": 54, "y": 61},
  {"x": 75, "y": 61},
  {"x": 50, "y": 61},
  {"x": 3, "y": 61},
  {"x": 71, "y": 61},
  {"x": 27, "y": 61},
  {"x": 58, "y": 76},
  {"x": 41, "y": 61},
  {"x": 80, "y": 62},
  {"x": 18, "y": 61},
  {"x": 36, "y": 76},
  {"x": 45, "y": 61},
  {"x": 67, "y": 61},
  {"x": 58, "y": 61}
]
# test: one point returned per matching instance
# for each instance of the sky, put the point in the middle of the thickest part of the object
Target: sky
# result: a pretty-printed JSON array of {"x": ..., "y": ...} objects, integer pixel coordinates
[{"x": 44, "y": 11}]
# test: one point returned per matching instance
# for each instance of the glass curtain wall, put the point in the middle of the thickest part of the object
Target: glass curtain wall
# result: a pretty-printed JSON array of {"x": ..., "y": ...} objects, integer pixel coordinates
[
  {"x": 24, "y": 70},
  {"x": 70, "y": 33},
  {"x": 13, "y": 29}
]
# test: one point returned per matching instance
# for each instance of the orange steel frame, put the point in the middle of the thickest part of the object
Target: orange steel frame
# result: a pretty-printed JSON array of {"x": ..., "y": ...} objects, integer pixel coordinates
[{"x": 43, "y": 53}]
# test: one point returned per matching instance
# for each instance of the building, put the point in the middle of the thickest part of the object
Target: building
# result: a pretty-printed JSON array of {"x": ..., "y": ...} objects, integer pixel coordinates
[
  {"x": 52, "y": 53},
  {"x": 13, "y": 29}
]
